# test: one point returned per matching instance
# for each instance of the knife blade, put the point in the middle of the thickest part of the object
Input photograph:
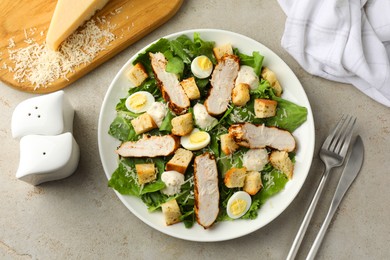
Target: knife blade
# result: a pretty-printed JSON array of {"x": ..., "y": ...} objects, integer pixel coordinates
[{"x": 350, "y": 171}]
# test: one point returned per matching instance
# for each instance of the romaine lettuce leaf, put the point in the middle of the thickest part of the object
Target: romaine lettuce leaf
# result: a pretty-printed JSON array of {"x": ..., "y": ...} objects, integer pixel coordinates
[
  {"x": 166, "y": 125},
  {"x": 179, "y": 50},
  {"x": 161, "y": 45},
  {"x": 202, "y": 47},
  {"x": 123, "y": 182},
  {"x": 122, "y": 129},
  {"x": 255, "y": 61},
  {"x": 288, "y": 116},
  {"x": 175, "y": 65}
]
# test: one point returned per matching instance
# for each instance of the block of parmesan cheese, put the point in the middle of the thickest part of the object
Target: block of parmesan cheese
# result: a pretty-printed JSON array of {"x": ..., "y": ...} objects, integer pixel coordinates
[{"x": 68, "y": 16}]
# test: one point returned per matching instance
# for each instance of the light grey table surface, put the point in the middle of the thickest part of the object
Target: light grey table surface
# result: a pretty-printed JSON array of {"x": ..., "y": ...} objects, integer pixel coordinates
[{"x": 81, "y": 218}]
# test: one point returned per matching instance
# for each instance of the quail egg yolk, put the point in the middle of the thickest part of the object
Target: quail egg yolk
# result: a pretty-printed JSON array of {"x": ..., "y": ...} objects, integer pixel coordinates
[
  {"x": 137, "y": 101},
  {"x": 238, "y": 207},
  {"x": 204, "y": 63},
  {"x": 198, "y": 137}
]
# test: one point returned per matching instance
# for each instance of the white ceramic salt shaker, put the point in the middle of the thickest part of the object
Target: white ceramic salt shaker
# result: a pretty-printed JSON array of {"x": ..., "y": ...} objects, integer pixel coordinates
[
  {"x": 47, "y": 158},
  {"x": 49, "y": 114}
]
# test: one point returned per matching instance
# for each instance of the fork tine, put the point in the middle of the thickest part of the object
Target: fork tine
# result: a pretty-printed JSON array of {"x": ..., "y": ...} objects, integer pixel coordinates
[
  {"x": 330, "y": 139},
  {"x": 339, "y": 138},
  {"x": 343, "y": 146},
  {"x": 340, "y": 131}
]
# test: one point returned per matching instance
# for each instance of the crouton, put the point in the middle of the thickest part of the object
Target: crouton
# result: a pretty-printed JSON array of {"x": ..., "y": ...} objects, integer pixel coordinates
[
  {"x": 171, "y": 212},
  {"x": 180, "y": 161},
  {"x": 190, "y": 88},
  {"x": 143, "y": 123},
  {"x": 228, "y": 145},
  {"x": 253, "y": 182},
  {"x": 240, "y": 94},
  {"x": 146, "y": 172},
  {"x": 269, "y": 75},
  {"x": 265, "y": 107},
  {"x": 220, "y": 51},
  {"x": 137, "y": 74},
  {"x": 182, "y": 125},
  {"x": 235, "y": 177},
  {"x": 281, "y": 162}
]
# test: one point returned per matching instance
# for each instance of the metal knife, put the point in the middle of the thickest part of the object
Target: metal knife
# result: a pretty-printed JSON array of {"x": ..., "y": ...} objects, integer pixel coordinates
[{"x": 351, "y": 170}]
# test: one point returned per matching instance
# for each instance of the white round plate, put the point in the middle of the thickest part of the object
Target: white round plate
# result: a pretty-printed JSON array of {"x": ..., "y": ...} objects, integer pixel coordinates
[{"x": 225, "y": 230}]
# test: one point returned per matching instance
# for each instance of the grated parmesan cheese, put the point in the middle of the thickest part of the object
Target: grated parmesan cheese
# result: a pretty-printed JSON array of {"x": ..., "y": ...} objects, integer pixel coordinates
[
  {"x": 41, "y": 66},
  {"x": 11, "y": 43},
  {"x": 191, "y": 194},
  {"x": 270, "y": 180}
]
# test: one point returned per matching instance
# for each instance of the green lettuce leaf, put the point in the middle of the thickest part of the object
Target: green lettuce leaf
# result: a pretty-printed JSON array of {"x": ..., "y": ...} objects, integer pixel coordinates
[
  {"x": 122, "y": 129},
  {"x": 161, "y": 45},
  {"x": 175, "y": 65},
  {"x": 123, "y": 182},
  {"x": 154, "y": 200},
  {"x": 178, "y": 48},
  {"x": 124, "y": 179},
  {"x": 288, "y": 116},
  {"x": 166, "y": 125},
  {"x": 202, "y": 47},
  {"x": 255, "y": 61}
]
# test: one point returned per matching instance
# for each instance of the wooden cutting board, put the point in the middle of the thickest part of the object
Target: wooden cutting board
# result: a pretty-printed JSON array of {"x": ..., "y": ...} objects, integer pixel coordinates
[{"x": 20, "y": 19}]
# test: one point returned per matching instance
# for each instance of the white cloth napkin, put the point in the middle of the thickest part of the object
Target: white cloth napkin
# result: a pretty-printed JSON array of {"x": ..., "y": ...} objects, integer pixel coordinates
[{"x": 342, "y": 40}]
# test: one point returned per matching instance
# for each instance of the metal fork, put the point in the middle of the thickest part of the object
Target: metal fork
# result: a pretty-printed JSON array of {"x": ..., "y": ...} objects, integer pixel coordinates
[{"x": 332, "y": 153}]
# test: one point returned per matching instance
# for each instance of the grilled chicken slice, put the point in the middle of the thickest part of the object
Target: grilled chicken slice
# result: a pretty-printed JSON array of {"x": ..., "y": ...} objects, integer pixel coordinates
[
  {"x": 169, "y": 85},
  {"x": 150, "y": 146},
  {"x": 206, "y": 190},
  {"x": 222, "y": 82},
  {"x": 260, "y": 136}
]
